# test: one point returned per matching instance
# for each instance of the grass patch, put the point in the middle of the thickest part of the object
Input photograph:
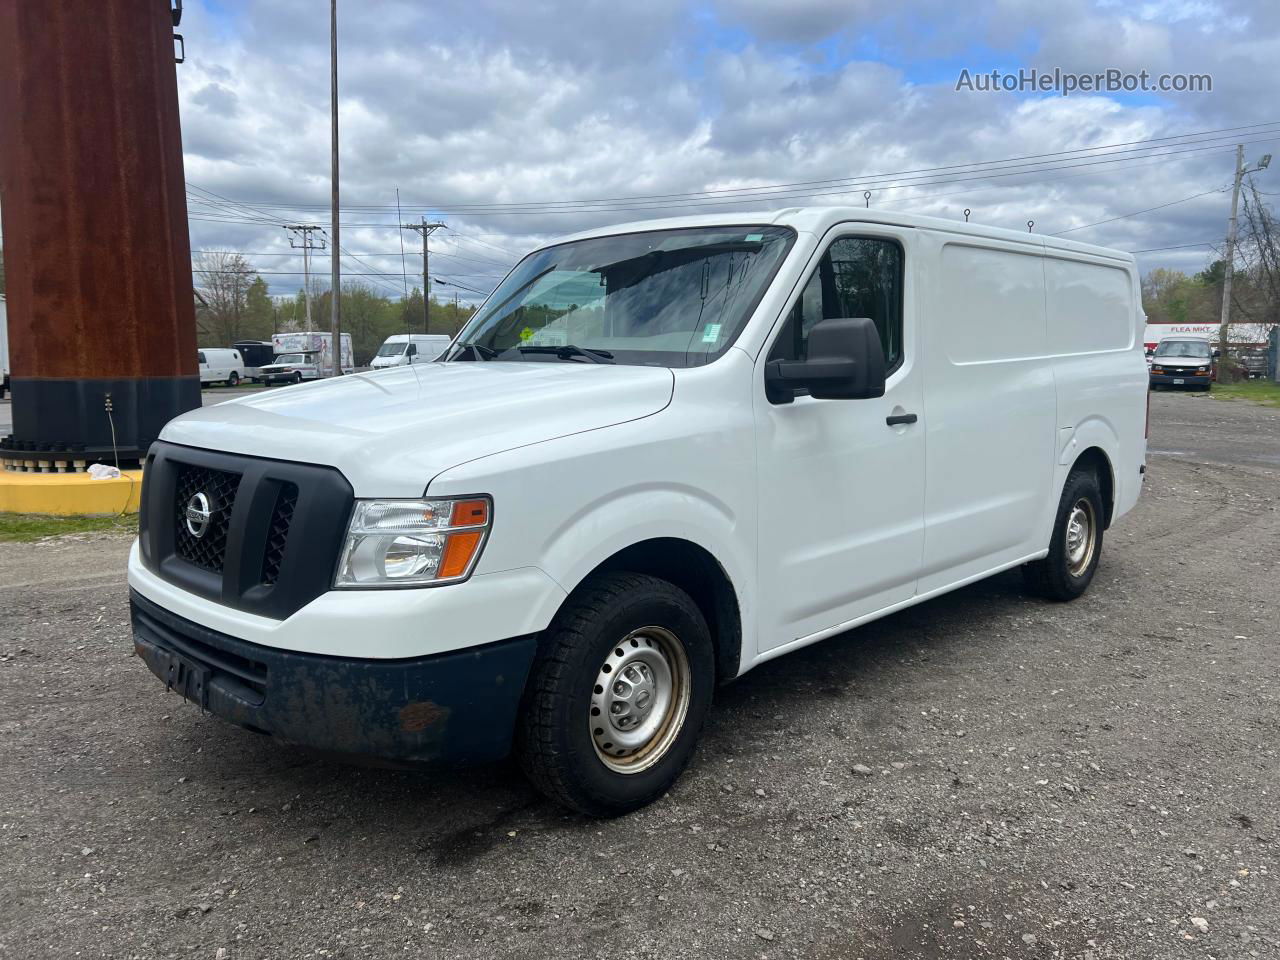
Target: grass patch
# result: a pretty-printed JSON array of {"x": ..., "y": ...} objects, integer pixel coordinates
[
  {"x": 25, "y": 527},
  {"x": 1264, "y": 392}
]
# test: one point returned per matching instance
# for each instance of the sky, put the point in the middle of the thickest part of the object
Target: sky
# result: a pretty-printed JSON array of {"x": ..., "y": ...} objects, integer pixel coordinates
[{"x": 481, "y": 113}]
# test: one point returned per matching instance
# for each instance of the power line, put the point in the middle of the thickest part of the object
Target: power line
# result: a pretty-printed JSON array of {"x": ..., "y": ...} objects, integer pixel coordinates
[
  {"x": 1151, "y": 143},
  {"x": 1179, "y": 246},
  {"x": 1137, "y": 213},
  {"x": 393, "y": 253},
  {"x": 890, "y": 185}
]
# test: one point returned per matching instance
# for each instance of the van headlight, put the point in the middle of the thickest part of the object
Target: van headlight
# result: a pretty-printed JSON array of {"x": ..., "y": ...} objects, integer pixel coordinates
[{"x": 394, "y": 543}]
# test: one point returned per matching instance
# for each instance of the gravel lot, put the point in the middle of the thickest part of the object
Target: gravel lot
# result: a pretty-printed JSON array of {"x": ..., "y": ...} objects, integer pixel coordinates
[{"x": 1093, "y": 780}]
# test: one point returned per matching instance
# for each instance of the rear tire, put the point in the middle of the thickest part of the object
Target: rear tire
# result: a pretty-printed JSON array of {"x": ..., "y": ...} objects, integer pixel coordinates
[
  {"x": 605, "y": 748},
  {"x": 233, "y": 380},
  {"x": 1076, "y": 546}
]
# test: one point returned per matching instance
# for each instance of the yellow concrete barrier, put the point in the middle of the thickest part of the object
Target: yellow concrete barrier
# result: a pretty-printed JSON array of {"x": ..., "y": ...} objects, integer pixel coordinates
[{"x": 69, "y": 494}]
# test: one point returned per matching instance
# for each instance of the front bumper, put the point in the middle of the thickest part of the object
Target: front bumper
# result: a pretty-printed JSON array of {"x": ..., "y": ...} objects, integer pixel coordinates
[
  {"x": 1181, "y": 379},
  {"x": 453, "y": 707},
  {"x": 377, "y": 624}
]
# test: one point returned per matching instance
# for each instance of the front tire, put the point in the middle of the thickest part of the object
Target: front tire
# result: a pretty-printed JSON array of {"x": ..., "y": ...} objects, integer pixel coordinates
[
  {"x": 618, "y": 695},
  {"x": 1077, "y": 541}
]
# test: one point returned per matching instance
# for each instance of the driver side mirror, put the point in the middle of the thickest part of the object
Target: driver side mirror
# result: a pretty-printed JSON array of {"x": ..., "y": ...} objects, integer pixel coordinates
[
  {"x": 1217, "y": 354},
  {"x": 845, "y": 362}
]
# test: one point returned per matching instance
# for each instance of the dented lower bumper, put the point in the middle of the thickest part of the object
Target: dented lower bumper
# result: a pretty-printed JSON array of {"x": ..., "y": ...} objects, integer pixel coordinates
[{"x": 454, "y": 707}]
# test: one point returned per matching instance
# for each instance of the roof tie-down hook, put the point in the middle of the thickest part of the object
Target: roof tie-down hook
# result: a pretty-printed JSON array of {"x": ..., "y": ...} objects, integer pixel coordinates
[
  {"x": 866, "y": 195},
  {"x": 1030, "y": 224},
  {"x": 967, "y": 211}
]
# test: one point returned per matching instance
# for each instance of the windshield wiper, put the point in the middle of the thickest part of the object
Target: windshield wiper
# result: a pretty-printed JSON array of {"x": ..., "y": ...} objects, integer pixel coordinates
[
  {"x": 568, "y": 350},
  {"x": 479, "y": 349}
]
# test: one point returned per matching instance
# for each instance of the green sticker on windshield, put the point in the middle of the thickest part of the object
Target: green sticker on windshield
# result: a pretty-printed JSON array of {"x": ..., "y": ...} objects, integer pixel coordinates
[
  {"x": 753, "y": 237},
  {"x": 711, "y": 333},
  {"x": 526, "y": 334}
]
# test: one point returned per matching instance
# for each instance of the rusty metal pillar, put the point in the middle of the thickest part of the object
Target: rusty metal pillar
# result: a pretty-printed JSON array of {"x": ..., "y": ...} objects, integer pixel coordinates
[{"x": 97, "y": 258}]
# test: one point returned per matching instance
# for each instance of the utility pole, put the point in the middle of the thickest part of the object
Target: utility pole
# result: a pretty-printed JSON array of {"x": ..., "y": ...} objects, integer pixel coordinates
[
  {"x": 1230, "y": 265},
  {"x": 336, "y": 281},
  {"x": 306, "y": 246},
  {"x": 426, "y": 229}
]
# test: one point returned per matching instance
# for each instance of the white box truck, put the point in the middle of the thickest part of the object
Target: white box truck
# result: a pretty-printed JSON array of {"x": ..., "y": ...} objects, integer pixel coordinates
[
  {"x": 304, "y": 356},
  {"x": 658, "y": 456}
]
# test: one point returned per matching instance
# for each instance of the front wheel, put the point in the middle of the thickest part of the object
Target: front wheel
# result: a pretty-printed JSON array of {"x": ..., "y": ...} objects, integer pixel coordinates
[
  {"x": 1077, "y": 541},
  {"x": 618, "y": 695}
]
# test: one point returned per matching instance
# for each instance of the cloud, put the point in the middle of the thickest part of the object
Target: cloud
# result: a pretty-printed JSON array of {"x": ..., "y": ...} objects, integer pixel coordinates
[{"x": 488, "y": 101}]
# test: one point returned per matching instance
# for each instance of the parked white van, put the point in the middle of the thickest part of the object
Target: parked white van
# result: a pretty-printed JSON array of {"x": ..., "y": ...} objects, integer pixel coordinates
[
  {"x": 660, "y": 455},
  {"x": 221, "y": 365},
  {"x": 405, "y": 348}
]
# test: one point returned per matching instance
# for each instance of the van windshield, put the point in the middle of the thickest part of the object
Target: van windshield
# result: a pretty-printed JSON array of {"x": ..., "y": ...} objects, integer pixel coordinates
[
  {"x": 390, "y": 350},
  {"x": 1183, "y": 348},
  {"x": 673, "y": 298},
  {"x": 292, "y": 358}
]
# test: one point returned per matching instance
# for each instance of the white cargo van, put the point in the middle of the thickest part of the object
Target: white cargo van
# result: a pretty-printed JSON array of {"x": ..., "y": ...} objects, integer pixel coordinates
[
  {"x": 405, "y": 348},
  {"x": 221, "y": 365},
  {"x": 660, "y": 455}
]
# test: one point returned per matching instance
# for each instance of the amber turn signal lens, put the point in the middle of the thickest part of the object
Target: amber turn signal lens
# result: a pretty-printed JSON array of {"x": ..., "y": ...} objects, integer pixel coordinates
[{"x": 457, "y": 554}]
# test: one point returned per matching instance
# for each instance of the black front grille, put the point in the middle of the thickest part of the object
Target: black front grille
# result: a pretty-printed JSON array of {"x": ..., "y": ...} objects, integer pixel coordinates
[
  {"x": 209, "y": 550},
  {"x": 278, "y": 532},
  {"x": 256, "y": 553}
]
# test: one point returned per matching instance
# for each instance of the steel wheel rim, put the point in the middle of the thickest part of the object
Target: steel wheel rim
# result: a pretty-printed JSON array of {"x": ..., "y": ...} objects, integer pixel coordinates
[
  {"x": 1081, "y": 537},
  {"x": 639, "y": 700}
]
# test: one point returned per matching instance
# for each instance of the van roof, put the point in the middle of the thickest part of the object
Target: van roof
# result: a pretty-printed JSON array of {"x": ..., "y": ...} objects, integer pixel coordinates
[{"x": 818, "y": 220}]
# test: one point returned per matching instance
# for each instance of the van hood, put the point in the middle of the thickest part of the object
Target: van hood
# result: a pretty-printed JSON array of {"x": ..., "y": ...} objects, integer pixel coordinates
[
  {"x": 392, "y": 431},
  {"x": 1180, "y": 363}
]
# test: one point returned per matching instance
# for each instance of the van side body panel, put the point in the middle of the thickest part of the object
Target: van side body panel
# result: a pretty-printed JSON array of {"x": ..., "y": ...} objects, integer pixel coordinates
[
  {"x": 990, "y": 407},
  {"x": 1095, "y": 337}
]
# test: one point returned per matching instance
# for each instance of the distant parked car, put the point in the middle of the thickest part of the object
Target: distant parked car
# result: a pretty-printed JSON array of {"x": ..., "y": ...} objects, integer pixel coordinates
[
  {"x": 1254, "y": 363},
  {"x": 1183, "y": 362},
  {"x": 221, "y": 365}
]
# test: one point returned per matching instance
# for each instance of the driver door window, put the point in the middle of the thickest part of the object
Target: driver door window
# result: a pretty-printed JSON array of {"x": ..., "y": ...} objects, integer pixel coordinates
[{"x": 857, "y": 277}]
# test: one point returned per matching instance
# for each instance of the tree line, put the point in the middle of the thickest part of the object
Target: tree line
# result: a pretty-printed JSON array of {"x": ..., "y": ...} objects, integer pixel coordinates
[{"x": 233, "y": 303}]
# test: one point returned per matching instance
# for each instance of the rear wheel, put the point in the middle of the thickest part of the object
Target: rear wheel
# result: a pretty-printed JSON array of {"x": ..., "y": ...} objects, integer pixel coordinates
[
  {"x": 617, "y": 696},
  {"x": 1077, "y": 541},
  {"x": 233, "y": 380}
]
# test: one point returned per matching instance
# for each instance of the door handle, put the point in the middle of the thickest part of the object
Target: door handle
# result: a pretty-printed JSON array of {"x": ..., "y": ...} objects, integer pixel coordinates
[{"x": 899, "y": 418}]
